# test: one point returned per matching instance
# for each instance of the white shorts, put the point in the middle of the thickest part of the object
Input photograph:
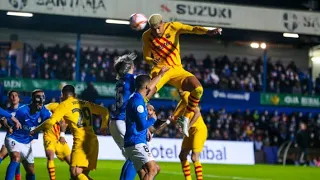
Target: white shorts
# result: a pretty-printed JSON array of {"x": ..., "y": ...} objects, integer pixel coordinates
[
  {"x": 118, "y": 130},
  {"x": 139, "y": 154},
  {"x": 25, "y": 150},
  {"x": 1, "y": 142}
]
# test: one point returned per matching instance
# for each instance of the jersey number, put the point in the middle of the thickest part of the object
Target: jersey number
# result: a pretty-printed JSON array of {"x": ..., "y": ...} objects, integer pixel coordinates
[
  {"x": 146, "y": 148},
  {"x": 85, "y": 118},
  {"x": 119, "y": 97}
]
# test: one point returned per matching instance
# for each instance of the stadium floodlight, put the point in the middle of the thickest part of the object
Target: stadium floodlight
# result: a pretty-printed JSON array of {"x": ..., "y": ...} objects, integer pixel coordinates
[
  {"x": 114, "y": 21},
  {"x": 316, "y": 60},
  {"x": 21, "y": 14},
  {"x": 210, "y": 28},
  {"x": 290, "y": 35},
  {"x": 254, "y": 45},
  {"x": 263, "y": 45}
]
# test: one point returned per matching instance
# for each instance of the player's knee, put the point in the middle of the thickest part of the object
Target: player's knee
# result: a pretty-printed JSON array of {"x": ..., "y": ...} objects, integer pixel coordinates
[
  {"x": 182, "y": 156},
  {"x": 194, "y": 157},
  {"x": 75, "y": 171},
  {"x": 153, "y": 170},
  {"x": 50, "y": 155},
  {"x": 158, "y": 168},
  {"x": 15, "y": 156},
  {"x": 30, "y": 170},
  {"x": 198, "y": 91}
]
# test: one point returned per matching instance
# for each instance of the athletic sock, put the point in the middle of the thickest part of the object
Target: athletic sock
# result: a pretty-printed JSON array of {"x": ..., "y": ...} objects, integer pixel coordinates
[
  {"x": 128, "y": 171},
  {"x": 51, "y": 169},
  {"x": 11, "y": 170},
  {"x": 198, "y": 169},
  {"x": 186, "y": 169}
]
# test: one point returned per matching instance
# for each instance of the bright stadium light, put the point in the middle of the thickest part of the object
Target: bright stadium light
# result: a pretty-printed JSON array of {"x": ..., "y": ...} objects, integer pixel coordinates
[
  {"x": 263, "y": 45},
  {"x": 210, "y": 28},
  {"x": 254, "y": 45},
  {"x": 21, "y": 14},
  {"x": 290, "y": 35},
  {"x": 316, "y": 60},
  {"x": 114, "y": 21}
]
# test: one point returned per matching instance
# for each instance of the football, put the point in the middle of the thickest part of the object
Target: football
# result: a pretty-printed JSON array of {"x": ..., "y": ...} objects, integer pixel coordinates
[{"x": 138, "y": 21}]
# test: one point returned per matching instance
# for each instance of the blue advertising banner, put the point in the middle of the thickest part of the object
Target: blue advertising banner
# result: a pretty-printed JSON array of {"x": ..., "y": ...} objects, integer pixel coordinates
[{"x": 231, "y": 98}]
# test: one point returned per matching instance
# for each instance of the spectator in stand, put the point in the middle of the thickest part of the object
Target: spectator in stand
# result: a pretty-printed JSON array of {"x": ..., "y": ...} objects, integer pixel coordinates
[{"x": 59, "y": 62}]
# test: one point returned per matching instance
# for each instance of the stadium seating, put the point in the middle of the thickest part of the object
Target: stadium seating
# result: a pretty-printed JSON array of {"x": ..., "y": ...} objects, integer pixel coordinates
[{"x": 219, "y": 72}]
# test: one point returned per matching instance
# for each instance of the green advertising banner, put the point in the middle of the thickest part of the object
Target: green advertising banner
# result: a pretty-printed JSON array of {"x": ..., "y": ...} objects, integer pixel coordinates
[
  {"x": 104, "y": 89},
  {"x": 289, "y": 100}
]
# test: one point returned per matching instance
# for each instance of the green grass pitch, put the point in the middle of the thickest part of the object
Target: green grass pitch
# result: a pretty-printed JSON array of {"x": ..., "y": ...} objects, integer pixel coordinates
[{"x": 171, "y": 171}]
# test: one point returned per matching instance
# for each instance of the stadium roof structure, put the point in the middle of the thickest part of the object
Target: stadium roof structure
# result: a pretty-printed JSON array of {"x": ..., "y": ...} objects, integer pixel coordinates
[{"x": 83, "y": 25}]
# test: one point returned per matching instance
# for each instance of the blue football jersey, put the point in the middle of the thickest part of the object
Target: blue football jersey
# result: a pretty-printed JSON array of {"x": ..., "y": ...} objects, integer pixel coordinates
[
  {"x": 4, "y": 113},
  {"x": 137, "y": 121},
  {"x": 28, "y": 122},
  {"x": 124, "y": 89},
  {"x": 13, "y": 111}
]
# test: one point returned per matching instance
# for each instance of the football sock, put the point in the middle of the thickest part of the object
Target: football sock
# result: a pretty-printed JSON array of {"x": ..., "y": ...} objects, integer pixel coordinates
[
  {"x": 186, "y": 169},
  {"x": 193, "y": 101},
  {"x": 18, "y": 175},
  {"x": 11, "y": 170},
  {"x": 198, "y": 169},
  {"x": 128, "y": 171},
  {"x": 31, "y": 177},
  {"x": 82, "y": 177},
  {"x": 51, "y": 169}
]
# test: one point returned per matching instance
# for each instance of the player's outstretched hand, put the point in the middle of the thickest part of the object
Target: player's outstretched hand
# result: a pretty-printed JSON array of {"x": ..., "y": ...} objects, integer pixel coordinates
[
  {"x": 10, "y": 130},
  {"x": 32, "y": 133},
  {"x": 213, "y": 32},
  {"x": 163, "y": 70},
  {"x": 62, "y": 140},
  {"x": 18, "y": 125},
  {"x": 149, "y": 136}
]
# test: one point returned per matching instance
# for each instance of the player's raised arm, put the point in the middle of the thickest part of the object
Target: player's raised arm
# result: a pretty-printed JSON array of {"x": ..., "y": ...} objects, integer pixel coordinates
[
  {"x": 188, "y": 29},
  {"x": 61, "y": 110},
  {"x": 4, "y": 113},
  {"x": 104, "y": 112},
  {"x": 146, "y": 49},
  {"x": 142, "y": 120}
]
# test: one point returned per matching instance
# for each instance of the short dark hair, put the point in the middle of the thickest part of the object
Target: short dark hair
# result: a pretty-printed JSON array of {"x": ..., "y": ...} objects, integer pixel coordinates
[
  {"x": 36, "y": 91},
  {"x": 141, "y": 81},
  {"x": 12, "y": 91},
  {"x": 68, "y": 89}
]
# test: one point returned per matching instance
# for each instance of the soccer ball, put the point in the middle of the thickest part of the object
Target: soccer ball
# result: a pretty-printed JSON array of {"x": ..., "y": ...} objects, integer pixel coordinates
[{"x": 138, "y": 21}]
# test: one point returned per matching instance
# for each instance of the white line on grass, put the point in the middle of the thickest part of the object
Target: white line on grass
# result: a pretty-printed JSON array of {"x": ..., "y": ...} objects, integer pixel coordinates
[{"x": 215, "y": 176}]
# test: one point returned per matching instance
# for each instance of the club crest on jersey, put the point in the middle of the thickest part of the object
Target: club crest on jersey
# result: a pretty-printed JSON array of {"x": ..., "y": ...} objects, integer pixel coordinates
[
  {"x": 168, "y": 35},
  {"x": 39, "y": 120}
]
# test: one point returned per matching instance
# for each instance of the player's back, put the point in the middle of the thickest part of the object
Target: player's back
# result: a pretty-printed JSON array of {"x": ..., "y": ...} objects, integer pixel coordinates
[
  {"x": 167, "y": 47},
  {"x": 78, "y": 113},
  {"x": 54, "y": 131},
  {"x": 133, "y": 136},
  {"x": 124, "y": 89}
]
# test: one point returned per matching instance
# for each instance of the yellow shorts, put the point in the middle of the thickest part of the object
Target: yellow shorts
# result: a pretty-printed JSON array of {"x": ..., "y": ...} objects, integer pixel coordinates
[
  {"x": 195, "y": 141},
  {"x": 61, "y": 150},
  {"x": 174, "y": 76},
  {"x": 85, "y": 154}
]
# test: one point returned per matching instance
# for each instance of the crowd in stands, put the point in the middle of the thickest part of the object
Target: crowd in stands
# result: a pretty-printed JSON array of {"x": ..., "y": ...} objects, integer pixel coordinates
[{"x": 59, "y": 62}]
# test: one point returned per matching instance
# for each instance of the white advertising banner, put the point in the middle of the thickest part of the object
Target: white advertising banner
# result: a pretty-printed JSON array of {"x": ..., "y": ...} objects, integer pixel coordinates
[
  {"x": 167, "y": 150},
  {"x": 206, "y": 14}
]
